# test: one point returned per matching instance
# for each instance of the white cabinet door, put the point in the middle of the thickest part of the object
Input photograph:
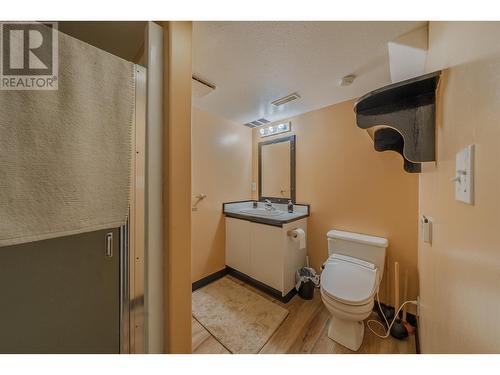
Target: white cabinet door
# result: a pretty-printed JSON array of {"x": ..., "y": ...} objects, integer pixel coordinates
[
  {"x": 238, "y": 244},
  {"x": 266, "y": 255}
]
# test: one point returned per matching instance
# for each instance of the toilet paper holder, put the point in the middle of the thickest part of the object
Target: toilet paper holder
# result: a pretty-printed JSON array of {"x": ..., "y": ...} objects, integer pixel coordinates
[{"x": 298, "y": 235}]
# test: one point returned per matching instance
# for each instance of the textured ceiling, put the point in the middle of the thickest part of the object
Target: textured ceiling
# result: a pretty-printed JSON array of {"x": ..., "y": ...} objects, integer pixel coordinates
[{"x": 254, "y": 63}]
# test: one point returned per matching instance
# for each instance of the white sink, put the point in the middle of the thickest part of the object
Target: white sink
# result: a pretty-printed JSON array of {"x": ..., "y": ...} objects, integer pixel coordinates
[{"x": 262, "y": 212}]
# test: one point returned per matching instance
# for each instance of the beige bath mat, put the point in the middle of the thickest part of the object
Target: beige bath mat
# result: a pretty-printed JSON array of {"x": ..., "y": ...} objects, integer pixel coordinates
[{"x": 240, "y": 319}]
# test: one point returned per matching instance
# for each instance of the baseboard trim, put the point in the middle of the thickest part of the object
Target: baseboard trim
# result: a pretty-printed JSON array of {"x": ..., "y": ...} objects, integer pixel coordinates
[
  {"x": 261, "y": 286},
  {"x": 417, "y": 341},
  {"x": 209, "y": 279}
]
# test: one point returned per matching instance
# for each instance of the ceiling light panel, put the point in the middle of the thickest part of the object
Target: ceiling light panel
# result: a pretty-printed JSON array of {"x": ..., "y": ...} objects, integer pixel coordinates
[{"x": 286, "y": 99}]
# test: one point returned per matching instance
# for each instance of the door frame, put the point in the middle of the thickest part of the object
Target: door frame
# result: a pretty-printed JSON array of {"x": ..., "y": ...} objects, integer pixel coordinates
[{"x": 132, "y": 235}]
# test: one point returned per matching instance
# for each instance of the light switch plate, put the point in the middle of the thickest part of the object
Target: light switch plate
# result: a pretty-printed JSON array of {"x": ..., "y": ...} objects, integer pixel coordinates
[{"x": 464, "y": 175}]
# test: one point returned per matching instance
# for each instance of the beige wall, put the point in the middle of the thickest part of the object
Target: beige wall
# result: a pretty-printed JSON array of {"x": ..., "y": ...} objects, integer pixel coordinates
[
  {"x": 177, "y": 185},
  {"x": 460, "y": 272},
  {"x": 221, "y": 169},
  {"x": 352, "y": 187}
]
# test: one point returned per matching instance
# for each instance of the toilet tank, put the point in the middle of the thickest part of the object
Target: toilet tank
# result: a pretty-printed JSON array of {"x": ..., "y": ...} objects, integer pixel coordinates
[{"x": 361, "y": 246}]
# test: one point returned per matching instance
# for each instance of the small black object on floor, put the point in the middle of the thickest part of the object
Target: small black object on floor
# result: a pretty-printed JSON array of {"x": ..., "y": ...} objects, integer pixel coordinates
[
  {"x": 388, "y": 311},
  {"x": 306, "y": 290},
  {"x": 398, "y": 330}
]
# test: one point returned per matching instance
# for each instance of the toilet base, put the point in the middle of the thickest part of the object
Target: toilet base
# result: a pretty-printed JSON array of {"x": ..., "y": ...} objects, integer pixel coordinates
[{"x": 348, "y": 333}]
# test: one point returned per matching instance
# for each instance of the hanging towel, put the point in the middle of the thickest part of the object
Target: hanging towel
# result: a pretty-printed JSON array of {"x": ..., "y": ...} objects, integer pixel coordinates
[{"x": 65, "y": 155}]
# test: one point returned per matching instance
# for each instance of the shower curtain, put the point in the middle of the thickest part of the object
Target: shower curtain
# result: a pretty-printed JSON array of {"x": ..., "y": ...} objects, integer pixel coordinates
[{"x": 65, "y": 155}]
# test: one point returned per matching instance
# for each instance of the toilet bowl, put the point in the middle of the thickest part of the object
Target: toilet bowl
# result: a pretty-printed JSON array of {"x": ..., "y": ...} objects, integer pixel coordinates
[{"x": 349, "y": 282}]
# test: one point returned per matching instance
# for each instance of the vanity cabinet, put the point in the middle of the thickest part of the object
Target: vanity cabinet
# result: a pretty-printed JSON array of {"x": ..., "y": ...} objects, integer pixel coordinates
[
  {"x": 266, "y": 253},
  {"x": 238, "y": 244}
]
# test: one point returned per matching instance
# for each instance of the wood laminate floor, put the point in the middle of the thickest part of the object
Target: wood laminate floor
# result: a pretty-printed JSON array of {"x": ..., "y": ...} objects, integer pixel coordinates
[{"x": 305, "y": 330}]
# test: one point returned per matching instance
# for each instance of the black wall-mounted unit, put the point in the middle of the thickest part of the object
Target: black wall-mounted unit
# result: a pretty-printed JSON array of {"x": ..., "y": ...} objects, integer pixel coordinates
[
  {"x": 388, "y": 139},
  {"x": 407, "y": 110}
]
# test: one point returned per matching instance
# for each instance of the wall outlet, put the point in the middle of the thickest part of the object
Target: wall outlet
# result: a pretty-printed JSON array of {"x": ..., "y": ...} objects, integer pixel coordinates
[
  {"x": 254, "y": 186},
  {"x": 426, "y": 229}
]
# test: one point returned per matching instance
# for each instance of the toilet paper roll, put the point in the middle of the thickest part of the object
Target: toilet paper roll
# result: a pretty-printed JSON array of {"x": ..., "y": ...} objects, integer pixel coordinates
[{"x": 298, "y": 235}]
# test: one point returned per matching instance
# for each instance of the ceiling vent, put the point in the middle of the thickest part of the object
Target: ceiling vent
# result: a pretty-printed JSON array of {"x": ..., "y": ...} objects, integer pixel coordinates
[
  {"x": 200, "y": 87},
  {"x": 285, "y": 99},
  {"x": 256, "y": 123}
]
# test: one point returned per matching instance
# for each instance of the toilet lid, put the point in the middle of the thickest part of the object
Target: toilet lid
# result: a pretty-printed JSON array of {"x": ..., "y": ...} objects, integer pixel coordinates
[{"x": 349, "y": 280}]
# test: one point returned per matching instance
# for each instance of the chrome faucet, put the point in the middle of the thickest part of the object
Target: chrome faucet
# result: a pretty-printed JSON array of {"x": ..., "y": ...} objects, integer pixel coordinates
[{"x": 268, "y": 205}]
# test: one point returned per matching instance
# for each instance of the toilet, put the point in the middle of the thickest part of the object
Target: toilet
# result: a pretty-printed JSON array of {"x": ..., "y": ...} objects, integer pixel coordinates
[{"x": 349, "y": 282}]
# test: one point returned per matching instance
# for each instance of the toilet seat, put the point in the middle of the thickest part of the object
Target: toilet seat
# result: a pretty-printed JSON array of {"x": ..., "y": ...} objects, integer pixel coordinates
[
  {"x": 349, "y": 280},
  {"x": 348, "y": 312}
]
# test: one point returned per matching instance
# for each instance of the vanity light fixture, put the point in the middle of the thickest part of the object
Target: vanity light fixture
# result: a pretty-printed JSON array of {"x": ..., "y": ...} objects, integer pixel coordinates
[{"x": 275, "y": 129}]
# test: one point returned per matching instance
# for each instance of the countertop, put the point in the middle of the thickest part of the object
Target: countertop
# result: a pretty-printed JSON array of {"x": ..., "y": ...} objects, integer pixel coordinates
[{"x": 234, "y": 209}]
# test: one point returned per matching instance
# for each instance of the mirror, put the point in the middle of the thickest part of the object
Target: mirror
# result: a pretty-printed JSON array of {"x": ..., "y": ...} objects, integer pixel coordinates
[{"x": 277, "y": 170}]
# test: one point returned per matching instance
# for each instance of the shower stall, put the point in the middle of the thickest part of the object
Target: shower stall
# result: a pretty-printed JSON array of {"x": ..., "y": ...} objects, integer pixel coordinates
[{"x": 98, "y": 291}]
